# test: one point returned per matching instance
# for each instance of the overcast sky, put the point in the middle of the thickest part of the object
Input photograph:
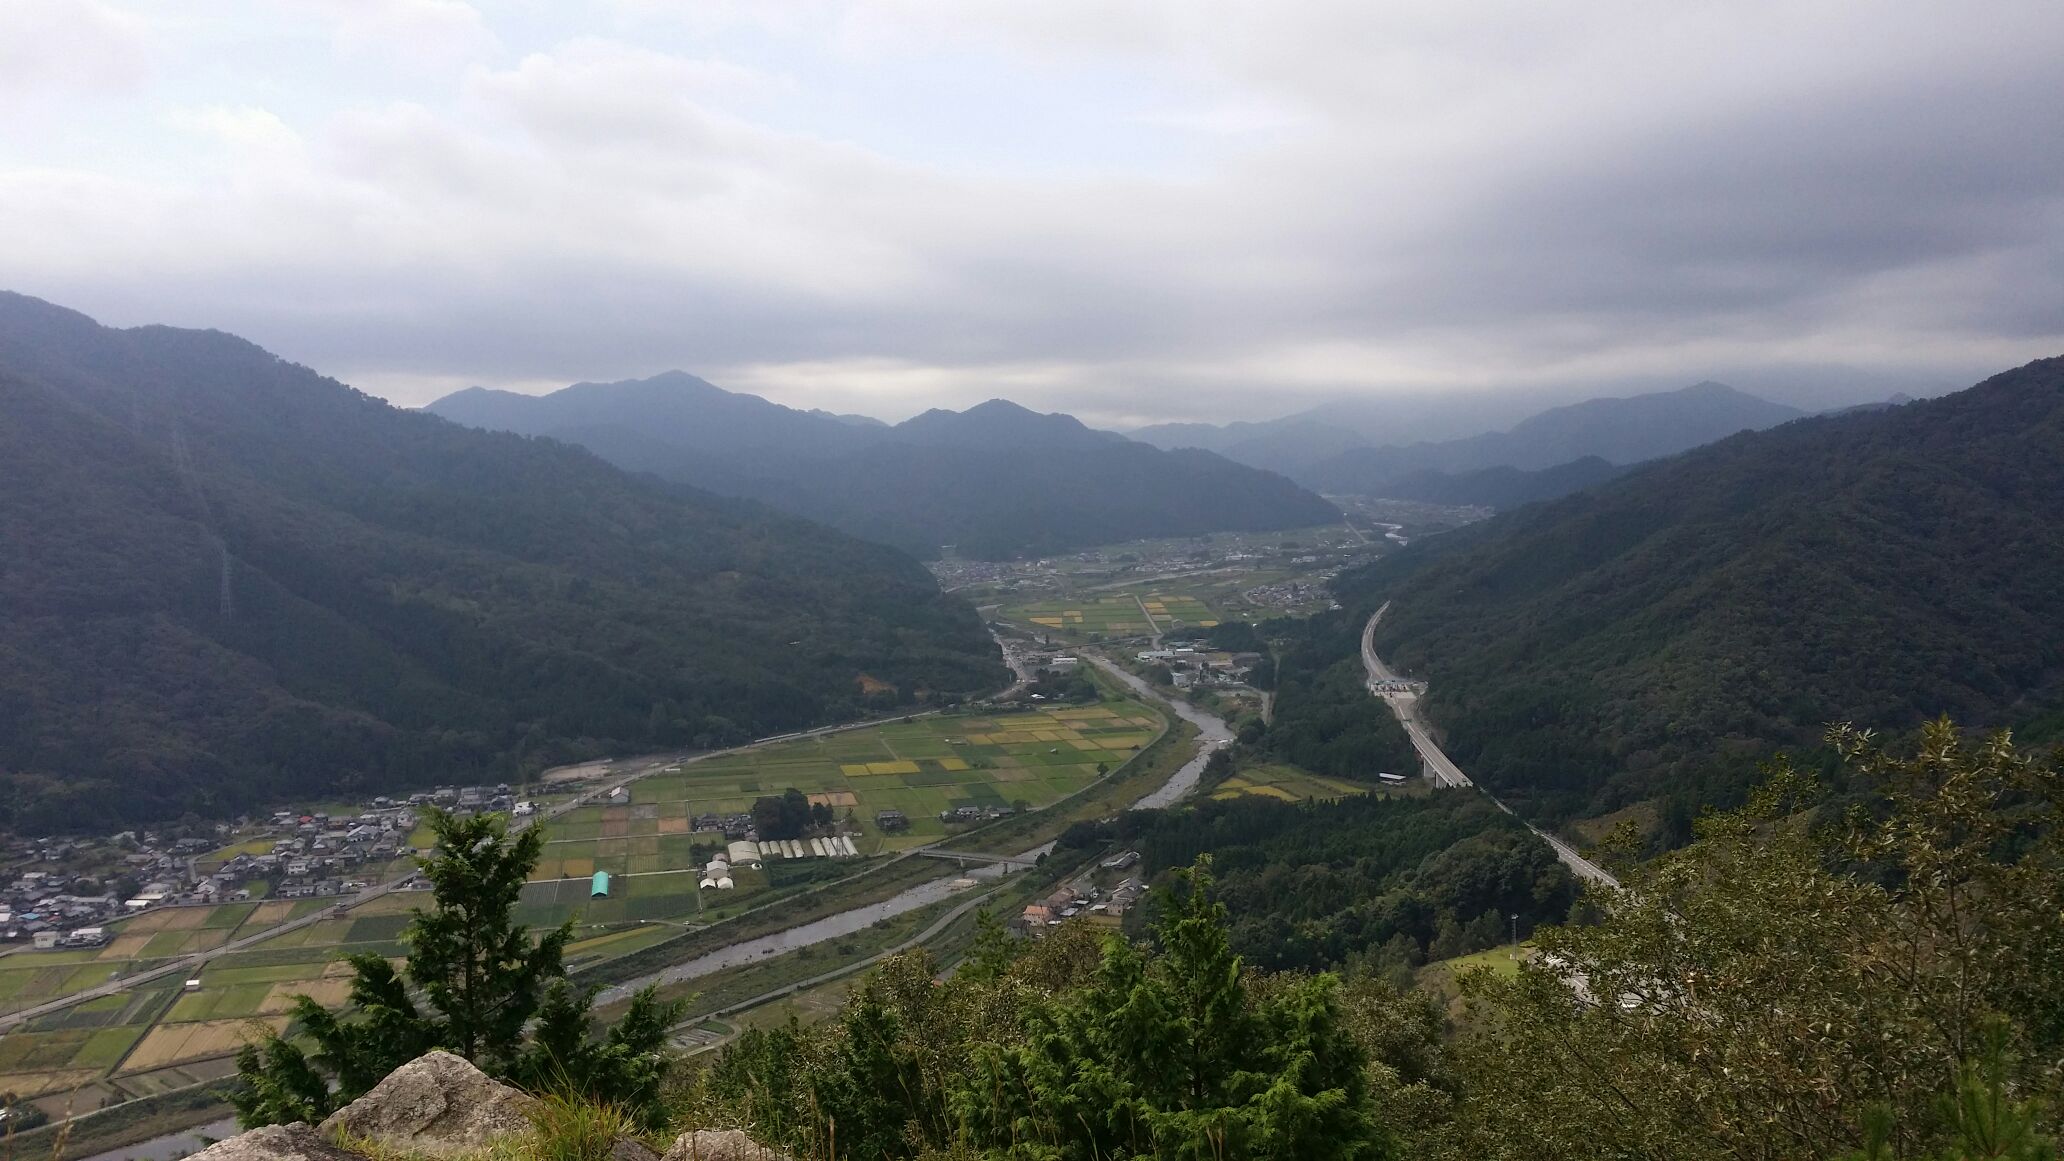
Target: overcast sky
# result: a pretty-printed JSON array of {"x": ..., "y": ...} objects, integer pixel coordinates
[{"x": 1132, "y": 211}]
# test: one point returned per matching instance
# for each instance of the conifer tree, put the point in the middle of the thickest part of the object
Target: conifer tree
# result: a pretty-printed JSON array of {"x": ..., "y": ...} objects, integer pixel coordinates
[
  {"x": 1175, "y": 1054},
  {"x": 482, "y": 979}
]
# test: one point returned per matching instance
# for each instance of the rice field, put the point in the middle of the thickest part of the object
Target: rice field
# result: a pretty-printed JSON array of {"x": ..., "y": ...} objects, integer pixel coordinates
[
  {"x": 650, "y": 848},
  {"x": 1286, "y": 783},
  {"x": 648, "y": 844},
  {"x": 1122, "y": 614}
]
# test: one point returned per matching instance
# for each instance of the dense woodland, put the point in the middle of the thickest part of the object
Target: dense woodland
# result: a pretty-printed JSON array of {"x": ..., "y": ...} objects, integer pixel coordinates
[
  {"x": 230, "y": 581},
  {"x": 1324, "y": 719},
  {"x": 1383, "y": 882},
  {"x": 1658, "y": 637},
  {"x": 1799, "y": 982},
  {"x": 1504, "y": 486},
  {"x": 994, "y": 481}
]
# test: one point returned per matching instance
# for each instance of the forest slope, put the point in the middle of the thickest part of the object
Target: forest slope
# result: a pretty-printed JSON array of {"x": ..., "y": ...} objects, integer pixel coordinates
[
  {"x": 996, "y": 480},
  {"x": 1656, "y": 636},
  {"x": 228, "y": 579}
]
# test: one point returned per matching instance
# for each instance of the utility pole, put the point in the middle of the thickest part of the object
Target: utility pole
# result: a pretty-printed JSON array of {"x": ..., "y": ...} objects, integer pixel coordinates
[{"x": 1515, "y": 933}]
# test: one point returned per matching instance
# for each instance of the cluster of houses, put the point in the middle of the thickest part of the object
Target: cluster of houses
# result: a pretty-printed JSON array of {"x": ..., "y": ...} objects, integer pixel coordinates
[
  {"x": 1290, "y": 594},
  {"x": 731, "y": 826},
  {"x": 53, "y": 901},
  {"x": 1189, "y": 665},
  {"x": 67, "y": 890},
  {"x": 1326, "y": 551},
  {"x": 316, "y": 854},
  {"x": 1083, "y": 900},
  {"x": 50, "y": 910},
  {"x": 964, "y": 815}
]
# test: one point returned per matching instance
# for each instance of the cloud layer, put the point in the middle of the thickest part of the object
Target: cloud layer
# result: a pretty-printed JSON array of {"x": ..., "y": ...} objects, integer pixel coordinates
[{"x": 1134, "y": 211}]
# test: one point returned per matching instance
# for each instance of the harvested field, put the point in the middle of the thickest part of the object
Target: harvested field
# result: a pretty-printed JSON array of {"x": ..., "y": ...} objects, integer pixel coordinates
[{"x": 174, "y": 1043}]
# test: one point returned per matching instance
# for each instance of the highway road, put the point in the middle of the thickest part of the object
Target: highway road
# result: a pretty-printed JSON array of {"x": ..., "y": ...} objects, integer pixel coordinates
[{"x": 1405, "y": 704}]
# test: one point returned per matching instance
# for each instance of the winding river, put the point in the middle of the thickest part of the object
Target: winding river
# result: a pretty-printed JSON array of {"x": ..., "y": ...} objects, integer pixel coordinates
[{"x": 1212, "y": 734}]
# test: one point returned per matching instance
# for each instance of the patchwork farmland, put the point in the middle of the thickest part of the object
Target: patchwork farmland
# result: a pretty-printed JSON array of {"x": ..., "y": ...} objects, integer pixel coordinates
[
  {"x": 161, "y": 1036},
  {"x": 920, "y": 767},
  {"x": 1288, "y": 784},
  {"x": 1120, "y": 615}
]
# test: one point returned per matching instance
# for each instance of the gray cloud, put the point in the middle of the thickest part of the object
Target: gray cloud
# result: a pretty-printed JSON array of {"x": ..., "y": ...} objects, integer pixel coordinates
[{"x": 1824, "y": 201}]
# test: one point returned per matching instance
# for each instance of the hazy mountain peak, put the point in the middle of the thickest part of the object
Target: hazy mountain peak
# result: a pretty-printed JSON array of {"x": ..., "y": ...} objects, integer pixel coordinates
[
  {"x": 1624, "y": 430},
  {"x": 1002, "y": 406},
  {"x": 1006, "y": 422},
  {"x": 997, "y": 478}
]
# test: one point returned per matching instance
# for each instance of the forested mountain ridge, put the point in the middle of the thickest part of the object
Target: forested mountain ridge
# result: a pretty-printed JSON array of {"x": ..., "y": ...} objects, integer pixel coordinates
[
  {"x": 1618, "y": 431},
  {"x": 1362, "y": 446},
  {"x": 1656, "y": 636},
  {"x": 228, "y": 580},
  {"x": 1502, "y": 487},
  {"x": 995, "y": 480}
]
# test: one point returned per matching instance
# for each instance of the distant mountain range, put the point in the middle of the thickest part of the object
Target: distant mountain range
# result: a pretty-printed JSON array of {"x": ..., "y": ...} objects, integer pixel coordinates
[
  {"x": 1438, "y": 449},
  {"x": 1618, "y": 431},
  {"x": 1295, "y": 442},
  {"x": 995, "y": 480},
  {"x": 230, "y": 581},
  {"x": 1651, "y": 639},
  {"x": 1502, "y": 487}
]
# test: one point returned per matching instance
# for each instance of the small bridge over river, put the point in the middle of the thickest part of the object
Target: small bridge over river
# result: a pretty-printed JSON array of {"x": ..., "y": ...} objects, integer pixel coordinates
[{"x": 964, "y": 858}]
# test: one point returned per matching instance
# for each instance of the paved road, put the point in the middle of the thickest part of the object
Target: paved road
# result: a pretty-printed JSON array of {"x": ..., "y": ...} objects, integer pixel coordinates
[
  {"x": 1405, "y": 705},
  {"x": 1165, "y": 576},
  {"x": 1011, "y": 656},
  {"x": 1153, "y": 626},
  {"x": 1213, "y": 733},
  {"x": 966, "y": 857},
  {"x": 701, "y": 1045}
]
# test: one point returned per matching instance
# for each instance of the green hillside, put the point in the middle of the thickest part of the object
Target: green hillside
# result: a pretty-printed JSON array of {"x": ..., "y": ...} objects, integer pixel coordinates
[
  {"x": 995, "y": 481},
  {"x": 228, "y": 580},
  {"x": 1657, "y": 636}
]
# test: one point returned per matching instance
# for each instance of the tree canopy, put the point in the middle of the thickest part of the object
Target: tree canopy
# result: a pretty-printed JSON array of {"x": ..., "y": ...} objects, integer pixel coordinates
[
  {"x": 230, "y": 582},
  {"x": 1658, "y": 636}
]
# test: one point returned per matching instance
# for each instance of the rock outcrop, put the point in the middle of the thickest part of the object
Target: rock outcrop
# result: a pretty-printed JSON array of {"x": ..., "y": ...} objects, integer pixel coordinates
[
  {"x": 721, "y": 1145},
  {"x": 295, "y": 1142},
  {"x": 439, "y": 1105},
  {"x": 436, "y": 1104},
  {"x": 632, "y": 1149}
]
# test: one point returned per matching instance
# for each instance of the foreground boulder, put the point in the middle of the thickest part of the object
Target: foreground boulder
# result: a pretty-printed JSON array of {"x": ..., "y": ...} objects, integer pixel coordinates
[
  {"x": 721, "y": 1145},
  {"x": 295, "y": 1142},
  {"x": 439, "y": 1105},
  {"x": 436, "y": 1104}
]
